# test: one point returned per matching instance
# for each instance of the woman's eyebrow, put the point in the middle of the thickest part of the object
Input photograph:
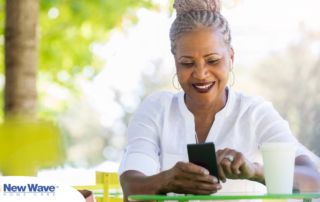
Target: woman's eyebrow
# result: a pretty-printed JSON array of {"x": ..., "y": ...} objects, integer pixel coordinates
[
  {"x": 185, "y": 57},
  {"x": 211, "y": 54}
]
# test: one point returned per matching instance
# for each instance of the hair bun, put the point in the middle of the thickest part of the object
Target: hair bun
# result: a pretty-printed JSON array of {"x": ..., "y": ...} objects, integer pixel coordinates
[{"x": 185, "y": 6}]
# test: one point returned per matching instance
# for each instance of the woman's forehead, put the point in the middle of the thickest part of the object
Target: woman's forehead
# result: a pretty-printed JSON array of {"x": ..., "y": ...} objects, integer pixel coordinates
[{"x": 203, "y": 41}]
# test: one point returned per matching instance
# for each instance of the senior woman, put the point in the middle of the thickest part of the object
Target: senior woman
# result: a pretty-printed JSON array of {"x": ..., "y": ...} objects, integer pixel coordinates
[{"x": 155, "y": 159}]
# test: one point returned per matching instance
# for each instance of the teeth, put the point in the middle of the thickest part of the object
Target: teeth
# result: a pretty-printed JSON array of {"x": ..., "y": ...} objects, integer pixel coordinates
[{"x": 204, "y": 87}]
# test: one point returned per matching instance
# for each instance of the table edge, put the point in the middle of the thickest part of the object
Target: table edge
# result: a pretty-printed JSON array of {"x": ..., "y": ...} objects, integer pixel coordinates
[{"x": 222, "y": 197}]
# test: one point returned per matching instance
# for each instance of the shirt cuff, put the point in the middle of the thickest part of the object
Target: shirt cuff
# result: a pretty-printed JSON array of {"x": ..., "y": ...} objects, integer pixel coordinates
[{"x": 140, "y": 162}]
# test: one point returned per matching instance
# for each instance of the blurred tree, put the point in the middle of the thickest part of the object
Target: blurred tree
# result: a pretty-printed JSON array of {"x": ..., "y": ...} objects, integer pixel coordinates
[
  {"x": 292, "y": 80},
  {"x": 21, "y": 57}
]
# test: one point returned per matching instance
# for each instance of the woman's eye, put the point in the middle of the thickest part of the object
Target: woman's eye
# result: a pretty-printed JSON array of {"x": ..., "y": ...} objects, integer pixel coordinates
[
  {"x": 212, "y": 61},
  {"x": 187, "y": 64}
]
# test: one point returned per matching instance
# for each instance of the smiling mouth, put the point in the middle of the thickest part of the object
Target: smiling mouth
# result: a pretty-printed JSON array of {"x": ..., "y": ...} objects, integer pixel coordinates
[{"x": 203, "y": 87}]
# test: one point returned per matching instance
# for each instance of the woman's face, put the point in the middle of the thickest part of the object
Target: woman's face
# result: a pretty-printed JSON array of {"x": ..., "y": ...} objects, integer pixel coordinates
[{"x": 203, "y": 63}]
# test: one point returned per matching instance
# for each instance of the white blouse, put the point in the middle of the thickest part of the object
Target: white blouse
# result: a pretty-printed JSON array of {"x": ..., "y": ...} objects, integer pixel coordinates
[{"x": 161, "y": 128}]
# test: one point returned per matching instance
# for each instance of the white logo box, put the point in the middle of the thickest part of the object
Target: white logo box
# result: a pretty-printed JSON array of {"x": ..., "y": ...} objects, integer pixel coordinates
[{"x": 17, "y": 189}]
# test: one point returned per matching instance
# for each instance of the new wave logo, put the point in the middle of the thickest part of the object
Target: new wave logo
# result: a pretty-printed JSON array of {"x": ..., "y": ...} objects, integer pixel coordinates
[{"x": 34, "y": 189}]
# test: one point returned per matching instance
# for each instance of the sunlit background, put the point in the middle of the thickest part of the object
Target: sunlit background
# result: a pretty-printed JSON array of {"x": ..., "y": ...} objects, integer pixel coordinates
[{"x": 97, "y": 66}]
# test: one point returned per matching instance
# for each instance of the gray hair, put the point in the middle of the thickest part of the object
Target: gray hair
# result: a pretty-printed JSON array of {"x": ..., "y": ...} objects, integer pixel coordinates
[{"x": 196, "y": 14}]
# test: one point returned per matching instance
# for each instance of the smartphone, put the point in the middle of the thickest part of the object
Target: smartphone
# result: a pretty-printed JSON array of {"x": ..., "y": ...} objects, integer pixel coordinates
[{"x": 204, "y": 155}]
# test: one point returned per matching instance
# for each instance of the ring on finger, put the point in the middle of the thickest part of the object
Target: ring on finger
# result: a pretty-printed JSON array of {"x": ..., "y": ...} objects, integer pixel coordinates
[{"x": 229, "y": 157}]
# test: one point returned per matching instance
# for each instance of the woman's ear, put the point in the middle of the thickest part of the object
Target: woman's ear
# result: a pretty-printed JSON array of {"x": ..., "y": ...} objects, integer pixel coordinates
[{"x": 231, "y": 53}]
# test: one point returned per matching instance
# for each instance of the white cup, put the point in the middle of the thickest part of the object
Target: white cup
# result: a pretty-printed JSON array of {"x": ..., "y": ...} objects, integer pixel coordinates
[{"x": 278, "y": 163}]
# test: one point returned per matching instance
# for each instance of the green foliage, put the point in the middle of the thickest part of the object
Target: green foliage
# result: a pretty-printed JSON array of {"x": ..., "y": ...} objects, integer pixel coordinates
[
  {"x": 171, "y": 5},
  {"x": 65, "y": 40}
]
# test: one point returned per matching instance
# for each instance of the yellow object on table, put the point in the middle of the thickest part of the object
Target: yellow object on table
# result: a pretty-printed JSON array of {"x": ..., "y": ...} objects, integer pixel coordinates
[
  {"x": 104, "y": 182},
  {"x": 28, "y": 146}
]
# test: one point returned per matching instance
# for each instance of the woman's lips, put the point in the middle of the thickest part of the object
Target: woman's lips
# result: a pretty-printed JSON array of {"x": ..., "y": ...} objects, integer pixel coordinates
[{"x": 203, "y": 87}]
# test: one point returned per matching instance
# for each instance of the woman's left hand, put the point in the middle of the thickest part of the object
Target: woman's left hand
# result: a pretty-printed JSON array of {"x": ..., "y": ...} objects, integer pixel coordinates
[{"x": 239, "y": 168}]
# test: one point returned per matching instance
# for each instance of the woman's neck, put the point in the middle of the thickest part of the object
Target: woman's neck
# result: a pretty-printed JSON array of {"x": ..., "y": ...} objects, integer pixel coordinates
[{"x": 209, "y": 110}]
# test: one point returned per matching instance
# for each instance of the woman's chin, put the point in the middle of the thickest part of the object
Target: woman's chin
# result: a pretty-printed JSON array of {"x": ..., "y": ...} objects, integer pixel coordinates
[{"x": 203, "y": 101}]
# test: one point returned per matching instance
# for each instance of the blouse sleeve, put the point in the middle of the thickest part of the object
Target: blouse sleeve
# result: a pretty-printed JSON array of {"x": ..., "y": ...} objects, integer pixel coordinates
[
  {"x": 269, "y": 126},
  {"x": 143, "y": 145}
]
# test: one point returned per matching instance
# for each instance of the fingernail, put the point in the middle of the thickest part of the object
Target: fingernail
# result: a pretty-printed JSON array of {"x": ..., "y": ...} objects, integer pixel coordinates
[
  {"x": 218, "y": 187},
  {"x": 215, "y": 180},
  {"x": 206, "y": 172},
  {"x": 224, "y": 181}
]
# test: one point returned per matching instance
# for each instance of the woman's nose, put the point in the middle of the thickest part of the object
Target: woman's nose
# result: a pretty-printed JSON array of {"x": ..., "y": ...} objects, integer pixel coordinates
[{"x": 200, "y": 71}]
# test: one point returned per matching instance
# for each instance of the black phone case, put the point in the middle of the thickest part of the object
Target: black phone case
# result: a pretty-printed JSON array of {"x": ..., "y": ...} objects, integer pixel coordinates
[{"x": 204, "y": 155}]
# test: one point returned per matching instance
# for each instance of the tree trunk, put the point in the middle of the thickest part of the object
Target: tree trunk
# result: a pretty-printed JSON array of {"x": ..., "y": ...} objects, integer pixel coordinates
[{"x": 21, "y": 58}]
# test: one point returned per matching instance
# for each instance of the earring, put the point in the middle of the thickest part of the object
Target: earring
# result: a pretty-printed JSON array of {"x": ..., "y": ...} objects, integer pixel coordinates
[
  {"x": 234, "y": 78},
  {"x": 179, "y": 87},
  {"x": 231, "y": 68}
]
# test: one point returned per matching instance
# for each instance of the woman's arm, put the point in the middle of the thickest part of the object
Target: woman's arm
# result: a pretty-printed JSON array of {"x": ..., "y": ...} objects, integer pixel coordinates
[
  {"x": 306, "y": 176},
  {"x": 184, "y": 177},
  {"x": 134, "y": 182}
]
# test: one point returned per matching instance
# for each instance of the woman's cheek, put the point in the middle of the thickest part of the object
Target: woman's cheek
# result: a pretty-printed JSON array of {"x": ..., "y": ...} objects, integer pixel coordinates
[
  {"x": 184, "y": 75},
  {"x": 222, "y": 73},
  {"x": 183, "y": 82}
]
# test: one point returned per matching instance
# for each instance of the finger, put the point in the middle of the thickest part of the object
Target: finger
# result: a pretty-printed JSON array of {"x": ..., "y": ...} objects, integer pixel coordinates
[
  {"x": 199, "y": 192},
  {"x": 196, "y": 185},
  {"x": 226, "y": 163},
  {"x": 237, "y": 163},
  {"x": 222, "y": 154},
  {"x": 219, "y": 159},
  {"x": 195, "y": 177},
  {"x": 219, "y": 152},
  {"x": 192, "y": 168}
]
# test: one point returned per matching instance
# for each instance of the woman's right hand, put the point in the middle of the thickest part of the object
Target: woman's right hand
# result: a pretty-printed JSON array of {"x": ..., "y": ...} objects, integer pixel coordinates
[{"x": 188, "y": 178}]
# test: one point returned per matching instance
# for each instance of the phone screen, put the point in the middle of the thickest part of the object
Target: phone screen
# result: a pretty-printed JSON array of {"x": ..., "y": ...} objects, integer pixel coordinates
[{"x": 204, "y": 155}]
